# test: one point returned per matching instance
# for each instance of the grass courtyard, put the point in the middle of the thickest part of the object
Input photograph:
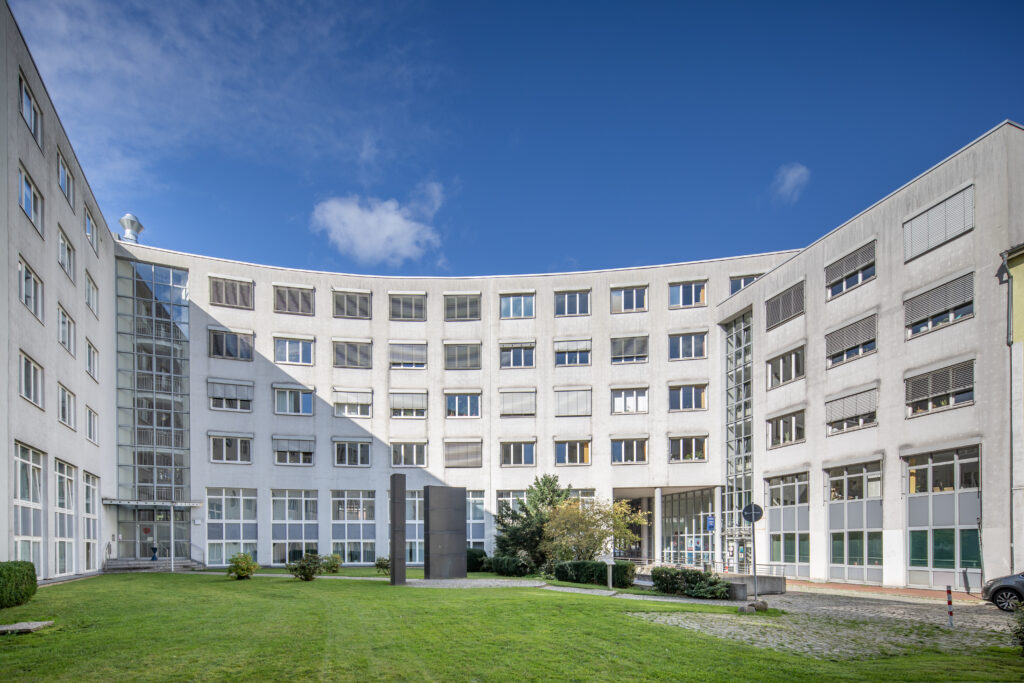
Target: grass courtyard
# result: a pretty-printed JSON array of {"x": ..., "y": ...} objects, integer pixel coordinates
[{"x": 205, "y": 626}]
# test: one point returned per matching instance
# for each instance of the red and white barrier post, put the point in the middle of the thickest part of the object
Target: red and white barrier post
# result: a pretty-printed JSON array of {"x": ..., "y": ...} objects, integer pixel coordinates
[{"x": 949, "y": 604}]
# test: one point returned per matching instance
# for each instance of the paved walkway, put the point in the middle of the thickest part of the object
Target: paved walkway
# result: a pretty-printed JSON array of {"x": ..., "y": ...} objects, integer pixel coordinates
[{"x": 886, "y": 592}]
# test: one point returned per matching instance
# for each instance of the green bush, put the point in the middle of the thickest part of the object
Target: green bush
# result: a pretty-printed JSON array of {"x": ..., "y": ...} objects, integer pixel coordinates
[
  {"x": 242, "y": 566},
  {"x": 307, "y": 568},
  {"x": 474, "y": 558},
  {"x": 383, "y": 565},
  {"x": 1017, "y": 627},
  {"x": 485, "y": 564},
  {"x": 17, "y": 583},
  {"x": 691, "y": 582},
  {"x": 511, "y": 565},
  {"x": 595, "y": 571},
  {"x": 330, "y": 564}
]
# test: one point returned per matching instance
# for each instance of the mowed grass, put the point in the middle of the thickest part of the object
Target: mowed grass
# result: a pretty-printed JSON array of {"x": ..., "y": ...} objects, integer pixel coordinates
[{"x": 200, "y": 626}]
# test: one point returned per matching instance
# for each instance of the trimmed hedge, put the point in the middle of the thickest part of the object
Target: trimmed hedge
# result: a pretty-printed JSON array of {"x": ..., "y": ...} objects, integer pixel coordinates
[
  {"x": 17, "y": 583},
  {"x": 691, "y": 582},
  {"x": 474, "y": 559},
  {"x": 505, "y": 565},
  {"x": 595, "y": 571}
]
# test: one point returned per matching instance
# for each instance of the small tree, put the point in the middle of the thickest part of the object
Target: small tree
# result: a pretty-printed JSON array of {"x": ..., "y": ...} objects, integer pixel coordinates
[
  {"x": 383, "y": 565},
  {"x": 522, "y": 530},
  {"x": 577, "y": 531},
  {"x": 242, "y": 566},
  {"x": 306, "y": 568},
  {"x": 330, "y": 564}
]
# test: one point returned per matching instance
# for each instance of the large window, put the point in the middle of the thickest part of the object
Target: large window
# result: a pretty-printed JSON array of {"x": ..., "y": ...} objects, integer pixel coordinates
[
  {"x": 851, "y": 341},
  {"x": 572, "y": 303},
  {"x": 30, "y": 289},
  {"x": 629, "y": 451},
  {"x": 30, "y": 111},
  {"x": 687, "y": 449},
  {"x": 688, "y": 397},
  {"x": 353, "y": 354},
  {"x": 92, "y": 295},
  {"x": 572, "y": 452},
  {"x": 786, "y": 368},
  {"x": 231, "y": 527},
  {"x": 687, "y": 294},
  {"x": 475, "y": 519},
  {"x": 852, "y": 412},
  {"x": 230, "y": 345},
  {"x": 686, "y": 346},
  {"x": 786, "y": 429},
  {"x": 352, "y": 305},
  {"x": 516, "y": 306},
  {"x": 629, "y": 299},
  {"x": 293, "y": 451},
  {"x": 408, "y": 404},
  {"x": 293, "y": 351},
  {"x": 295, "y": 528},
  {"x": 65, "y": 330},
  {"x": 949, "y": 387},
  {"x": 293, "y": 300},
  {"x": 65, "y": 406},
  {"x": 29, "y": 199},
  {"x": 231, "y": 293},
  {"x": 855, "y": 521},
  {"x": 739, "y": 282},
  {"x": 573, "y": 352},
  {"x": 293, "y": 401},
  {"x": 409, "y": 455},
  {"x": 850, "y": 271},
  {"x": 511, "y": 499},
  {"x": 462, "y": 405},
  {"x": 230, "y": 396},
  {"x": 30, "y": 380},
  {"x": 64, "y": 518},
  {"x": 460, "y": 307},
  {"x": 354, "y": 530},
  {"x": 517, "y": 453},
  {"x": 28, "y": 505},
  {"x": 948, "y": 303},
  {"x": 65, "y": 254},
  {"x": 788, "y": 523},
  {"x": 353, "y": 403},
  {"x": 784, "y": 306},
  {"x": 462, "y": 356},
  {"x": 629, "y": 350},
  {"x": 65, "y": 179},
  {"x": 231, "y": 449},
  {"x": 629, "y": 401},
  {"x": 414, "y": 526},
  {"x": 518, "y": 403},
  {"x": 939, "y": 224},
  {"x": 408, "y": 355},
  {"x": 408, "y": 306},
  {"x": 572, "y": 402},
  {"x": 351, "y": 453},
  {"x": 517, "y": 354},
  {"x": 464, "y": 453},
  {"x": 90, "y": 521}
]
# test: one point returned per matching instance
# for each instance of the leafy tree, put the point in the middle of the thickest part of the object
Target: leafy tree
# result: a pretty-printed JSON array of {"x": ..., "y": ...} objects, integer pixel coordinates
[
  {"x": 576, "y": 531},
  {"x": 522, "y": 531}
]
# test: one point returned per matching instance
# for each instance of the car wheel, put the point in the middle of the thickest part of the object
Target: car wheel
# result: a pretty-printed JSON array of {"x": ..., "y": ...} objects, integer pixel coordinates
[{"x": 1006, "y": 599}]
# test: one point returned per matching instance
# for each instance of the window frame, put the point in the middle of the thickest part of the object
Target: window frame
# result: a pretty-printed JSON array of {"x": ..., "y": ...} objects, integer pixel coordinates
[
  {"x": 92, "y": 295},
  {"x": 357, "y": 298},
  {"x": 407, "y": 300},
  {"x": 25, "y": 96},
  {"x": 693, "y": 390},
  {"x": 460, "y": 405},
  {"x": 776, "y": 425},
  {"x": 66, "y": 408},
  {"x": 224, "y": 460},
  {"x": 524, "y": 348},
  {"x": 360, "y": 447},
  {"x": 66, "y": 330},
  {"x": 65, "y": 180},
  {"x": 302, "y": 345},
  {"x": 510, "y": 451},
  {"x": 29, "y": 194},
  {"x": 676, "y": 346},
  {"x": 621, "y": 397},
  {"x": 692, "y": 286},
  {"x": 624, "y": 359},
  {"x": 33, "y": 394},
  {"x": 240, "y": 337},
  {"x": 238, "y": 285},
  {"x": 579, "y": 295},
  {"x": 300, "y": 290},
  {"x": 92, "y": 360},
  {"x": 89, "y": 227},
  {"x": 512, "y": 299},
  {"x": 791, "y": 356},
  {"x": 289, "y": 392},
  {"x": 635, "y": 457},
  {"x": 358, "y": 347},
  {"x": 620, "y": 294},
  {"x": 66, "y": 254},
  {"x": 682, "y": 442},
  {"x": 744, "y": 281},
  {"x": 37, "y": 295},
  {"x": 457, "y": 302},
  {"x": 459, "y": 356},
  {"x": 578, "y": 448},
  {"x": 419, "y": 452}
]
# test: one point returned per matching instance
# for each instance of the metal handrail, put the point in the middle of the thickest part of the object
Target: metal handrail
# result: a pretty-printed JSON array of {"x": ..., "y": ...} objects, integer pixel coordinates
[{"x": 202, "y": 554}]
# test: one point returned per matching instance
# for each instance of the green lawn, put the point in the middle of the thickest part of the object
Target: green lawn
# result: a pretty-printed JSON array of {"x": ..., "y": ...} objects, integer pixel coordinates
[
  {"x": 190, "y": 626},
  {"x": 410, "y": 572}
]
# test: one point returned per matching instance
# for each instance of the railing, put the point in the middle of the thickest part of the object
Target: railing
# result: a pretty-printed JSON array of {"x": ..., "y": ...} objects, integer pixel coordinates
[
  {"x": 202, "y": 554},
  {"x": 717, "y": 567}
]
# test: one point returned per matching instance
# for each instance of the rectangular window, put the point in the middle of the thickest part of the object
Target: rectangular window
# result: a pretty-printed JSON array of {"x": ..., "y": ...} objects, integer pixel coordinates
[
  {"x": 687, "y": 294},
  {"x": 230, "y": 345},
  {"x": 572, "y": 402},
  {"x": 353, "y": 355},
  {"x": 231, "y": 524},
  {"x": 686, "y": 346},
  {"x": 572, "y": 452},
  {"x": 788, "y": 490},
  {"x": 409, "y": 455},
  {"x": 948, "y": 303},
  {"x": 408, "y": 306},
  {"x": 786, "y": 368},
  {"x": 688, "y": 397},
  {"x": 629, "y": 401},
  {"x": 30, "y": 289},
  {"x": 516, "y": 306},
  {"x": 460, "y": 307},
  {"x": 935, "y": 226},
  {"x": 231, "y": 293},
  {"x": 354, "y": 532},
  {"x": 786, "y": 429},
  {"x": 229, "y": 396},
  {"x": 629, "y": 350},
  {"x": 293, "y": 451},
  {"x": 462, "y": 405},
  {"x": 629, "y": 451},
  {"x": 462, "y": 356},
  {"x": 511, "y": 499},
  {"x": 353, "y": 403},
  {"x": 352, "y": 305},
  {"x": 64, "y": 518},
  {"x": 28, "y": 508},
  {"x": 65, "y": 330},
  {"x": 852, "y": 341},
  {"x": 92, "y": 425},
  {"x": 90, "y": 229},
  {"x": 475, "y": 531},
  {"x": 948, "y": 387},
  {"x": 66, "y": 254},
  {"x": 463, "y": 454},
  {"x": 90, "y": 521},
  {"x": 517, "y": 454},
  {"x": 850, "y": 271},
  {"x": 293, "y": 300},
  {"x": 408, "y": 404},
  {"x": 92, "y": 360},
  {"x": 629, "y": 299},
  {"x": 518, "y": 403},
  {"x": 517, "y": 355},
  {"x": 30, "y": 380},
  {"x": 298, "y": 537},
  {"x": 855, "y": 482},
  {"x": 65, "y": 179},
  {"x": 738, "y": 283},
  {"x": 688, "y": 449},
  {"x": 852, "y": 412},
  {"x": 572, "y": 303},
  {"x": 29, "y": 199},
  {"x": 30, "y": 111},
  {"x": 65, "y": 406},
  {"x": 784, "y": 306},
  {"x": 293, "y": 351},
  {"x": 351, "y": 453},
  {"x": 572, "y": 352},
  {"x": 293, "y": 401},
  {"x": 855, "y": 547},
  {"x": 231, "y": 449},
  {"x": 92, "y": 294},
  {"x": 408, "y": 356}
]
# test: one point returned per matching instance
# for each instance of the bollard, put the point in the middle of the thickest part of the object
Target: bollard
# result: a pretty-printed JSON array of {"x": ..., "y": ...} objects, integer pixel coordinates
[{"x": 949, "y": 604}]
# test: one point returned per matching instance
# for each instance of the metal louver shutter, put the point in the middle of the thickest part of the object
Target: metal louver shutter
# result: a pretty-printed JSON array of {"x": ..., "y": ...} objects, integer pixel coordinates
[
  {"x": 357, "y": 397},
  {"x": 850, "y": 336},
  {"x": 572, "y": 402},
  {"x": 518, "y": 402},
  {"x": 942, "y": 381},
  {"x": 571, "y": 346},
  {"x": 784, "y": 306},
  {"x": 228, "y": 390},
  {"x": 939, "y": 224},
  {"x": 943, "y": 298},
  {"x": 851, "y": 406},
  {"x": 463, "y": 454},
  {"x": 850, "y": 263},
  {"x": 408, "y": 401},
  {"x": 962, "y": 376},
  {"x": 281, "y": 444},
  {"x": 409, "y": 354}
]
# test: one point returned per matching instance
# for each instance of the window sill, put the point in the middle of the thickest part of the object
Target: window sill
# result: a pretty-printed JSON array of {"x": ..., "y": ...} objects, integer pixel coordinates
[
  {"x": 461, "y": 369},
  {"x": 365, "y": 467},
  {"x": 786, "y": 383},
  {"x": 404, "y": 320},
  {"x": 943, "y": 409},
  {"x": 342, "y": 417},
  {"x": 406, "y": 467},
  {"x": 353, "y": 367},
  {"x": 228, "y": 410},
  {"x": 230, "y": 462},
  {"x": 572, "y": 315},
  {"x": 294, "y": 464},
  {"x": 688, "y": 410},
  {"x": 91, "y": 376},
  {"x": 635, "y": 412},
  {"x": 691, "y": 460},
  {"x": 240, "y": 308},
  {"x": 244, "y": 360},
  {"x": 672, "y": 360},
  {"x": 788, "y": 443},
  {"x": 65, "y": 424},
  {"x": 517, "y": 466},
  {"x": 851, "y": 429},
  {"x": 572, "y": 464},
  {"x": 850, "y": 360},
  {"x": 28, "y": 400},
  {"x": 462, "y": 417},
  {"x": 856, "y": 286},
  {"x": 351, "y": 317},
  {"x": 408, "y": 417},
  {"x": 301, "y": 365},
  {"x": 521, "y": 317},
  {"x": 572, "y": 365},
  {"x": 635, "y": 310},
  {"x": 293, "y": 414},
  {"x": 307, "y": 315},
  {"x": 518, "y": 367},
  {"x": 412, "y": 367},
  {"x": 642, "y": 462},
  {"x": 629, "y": 362},
  {"x": 939, "y": 328},
  {"x": 503, "y": 415}
]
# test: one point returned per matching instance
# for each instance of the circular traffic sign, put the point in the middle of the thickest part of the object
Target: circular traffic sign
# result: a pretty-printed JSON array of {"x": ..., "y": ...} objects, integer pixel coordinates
[{"x": 752, "y": 513}]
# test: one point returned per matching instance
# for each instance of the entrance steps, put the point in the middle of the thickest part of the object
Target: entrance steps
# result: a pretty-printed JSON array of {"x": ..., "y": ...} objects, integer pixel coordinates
[{"x": 163, "y": 564}]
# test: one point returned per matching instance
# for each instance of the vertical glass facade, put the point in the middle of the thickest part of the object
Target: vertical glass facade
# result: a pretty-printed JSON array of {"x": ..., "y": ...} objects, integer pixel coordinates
[
  {"x": 738, "y": 442},
  {"x": 684, "y": 527}
]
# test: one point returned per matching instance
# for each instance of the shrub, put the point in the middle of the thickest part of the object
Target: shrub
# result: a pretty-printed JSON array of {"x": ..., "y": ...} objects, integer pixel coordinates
[
  {"x": 485, "y": 564},
  {"x": 595, "y": 571},
  {"x": 17, "y": 583},
  {"x": 307, "y": 568},
  {"x": 1017, "y": 627},
  {"x": 242, "y": 566},
  {"x": 330, "y": 564},
  {"x": 691, "y": 582},
  {"x": 474, "y": 558},
  {"x": 511, "y": 565},
  {"x": 383, "y": 565}
]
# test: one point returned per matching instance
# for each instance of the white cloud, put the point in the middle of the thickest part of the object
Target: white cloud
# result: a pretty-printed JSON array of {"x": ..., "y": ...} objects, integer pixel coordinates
[
  {"x": 371, "y": 230},
  {"x": 790, "y": 181}
]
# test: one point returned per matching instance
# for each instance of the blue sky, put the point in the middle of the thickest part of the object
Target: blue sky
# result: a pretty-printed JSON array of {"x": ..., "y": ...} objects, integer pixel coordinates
[{"x": 466, "y": 138}]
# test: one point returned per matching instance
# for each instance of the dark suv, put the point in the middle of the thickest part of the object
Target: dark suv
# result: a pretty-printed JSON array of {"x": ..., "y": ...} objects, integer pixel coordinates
[{"x": 1006, "y": 591}]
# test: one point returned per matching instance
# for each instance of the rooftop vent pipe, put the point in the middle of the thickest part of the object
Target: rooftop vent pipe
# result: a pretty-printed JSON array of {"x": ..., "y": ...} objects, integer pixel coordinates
[{"x": 132, "y": 227}]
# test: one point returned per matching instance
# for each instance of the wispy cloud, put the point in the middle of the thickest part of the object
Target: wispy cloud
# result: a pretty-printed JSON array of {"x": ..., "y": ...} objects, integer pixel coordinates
[
  {"x": 373, "y": 231},
  {"x": 790, "y": 181}
]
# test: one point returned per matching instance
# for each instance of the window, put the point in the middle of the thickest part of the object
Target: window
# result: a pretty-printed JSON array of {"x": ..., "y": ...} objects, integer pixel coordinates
[
  {"x": 28, "y": 506},
  {"x": 629, "y": 451},
  {"x": 92, "y": 360},
  {"x": 231, "y": 526},
  {"x": 414, "y": 514},
  {"x": 30, "y": 111},
  {"x": 293, "y": 351},
  {"x": 65, "y": 330},
  {"x": 90, "y": 521},
  {"x": 629, "y": 299},
  {"x": 293, "y": 300},
  {"x": 230, "y": 396},
  {"x": 629, "y": 401},
  {"x": 572, "y": 303},
  {"x": 850, "y": 342},
  {"x": 408, "y": 356},
  {"x": 92, "y": 295},
  {"x": 572, "y": 402},
  {"x": 572, "y": 352},
  {"x": 739, "y": 282},
  {"x": 299, "y": 535},
  {"x": 231, "y": 449},
  {"x": 850, "y": 271},
  {"x": 688, "y": 397},
  {"x": 353, "y": 354},
  {"x": 92, "y": 425},
  {"x": 687, "y": 448},
  {"x": 687, "y": 294},
  {"x": 464, "y": 453},
  {"x": 293, "y": 450},
  {"x": 856, "y": 482},
  {"x": 353, "y": 403},
  {"x": 65, "y": 254},
  {"x": 475, "y": 519},
  {"x": 30, "y": 289},
  {"x": 572, "y": 452},
  {"x": 462, "y": 356},
  {"x": 511, "y": 499},
  {"x": 351, "y": 453},
  {"x": 352, "y": 305},
  {"x": 408, "y": 404},
  {"x": 293, "y": 401},
  {"x": 686, "y": 346},
  {"x": 65, "y": 180},
  {"x": 459, "y": 307},
  {"x": 409, "y": 455},
  {"x": 852, "y": 412},
  {"x": 629, "y": 350},
  {"x": 517, "y": 354},
  {"x": 948, "y": 303},
  {"x": 517, "y": 454},
  {"x": 354, "y": 532},
  {"x": 462, "y": 405},
  {"x": 784, "y": 306},
  {"x": 788, "y": 498},
  {"x": 90, "y": 228},
  {"x": 230, "y": 345},
  {"x": 518, "y": 403},
  {"x": 786, "y": 429},
  {"x": 231, "y": 293},
  {"x": 65, "y": 406},
  {"x": 516, "y": 306},
  {"x": 64, "y": 518},
  {"x": 408, "y": 306},
  {"x": 948, "y": 387},
  {"x": 944, "y": 221},
  {"x": 786, "y": 368},
  {"x": 30, "y": 380},
  {"x": 29, "y": 199}
]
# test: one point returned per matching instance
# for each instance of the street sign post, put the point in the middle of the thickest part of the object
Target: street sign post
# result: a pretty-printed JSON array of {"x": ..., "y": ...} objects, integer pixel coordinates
[{"x": 752, "y": 513}]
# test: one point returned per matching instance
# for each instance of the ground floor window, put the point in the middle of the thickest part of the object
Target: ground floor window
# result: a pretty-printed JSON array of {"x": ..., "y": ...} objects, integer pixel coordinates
[
  {"x": 90, "y": 521},
  {"x": 855, "y": 522},
  {"x": 475, "y": 519},
  {"x": 231, "y": 526},
  {"x": 295, "y": 529},
  {"x": 414, "y": 527},
  {"x": 687, "y": 535},
  {"x": 790, "y": 548},
  {"x": 788, "y": 512},
  {"x": 293, "y": 551},
  {"x": 353, "y": 526},
  {"x": 28, "y": 506}
]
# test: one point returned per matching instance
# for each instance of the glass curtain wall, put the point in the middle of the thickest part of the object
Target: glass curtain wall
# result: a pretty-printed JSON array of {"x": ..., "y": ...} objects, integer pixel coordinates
[
  {"x": 684, "y": 533},
  {"x": 738, "y": 444}
]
